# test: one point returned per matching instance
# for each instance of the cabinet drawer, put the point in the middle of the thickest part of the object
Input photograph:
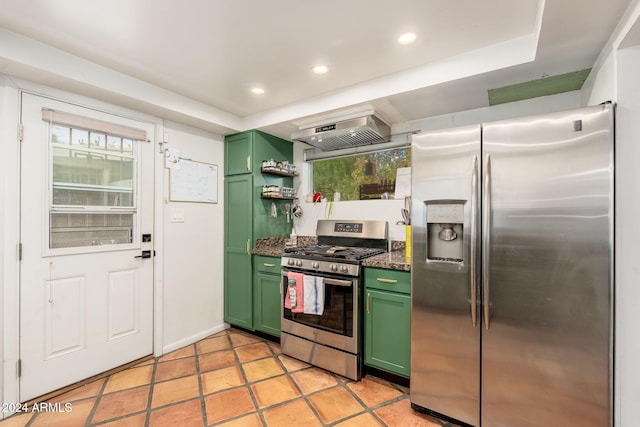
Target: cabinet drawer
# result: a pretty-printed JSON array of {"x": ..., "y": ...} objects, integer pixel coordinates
[
  {"x": 388, "y": 280},
  {"x": 266, "y": 264}
]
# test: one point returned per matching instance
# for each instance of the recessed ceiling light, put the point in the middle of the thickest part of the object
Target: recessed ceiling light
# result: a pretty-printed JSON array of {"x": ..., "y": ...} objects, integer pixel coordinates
[
  {"x": 320, "y": 69},
  {"x": 257, "y": 90},
  {"x": 407, "y": 38}
]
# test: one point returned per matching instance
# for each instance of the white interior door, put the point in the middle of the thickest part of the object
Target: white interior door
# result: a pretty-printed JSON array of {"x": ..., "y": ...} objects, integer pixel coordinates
[{"x": 86, "y": 294}]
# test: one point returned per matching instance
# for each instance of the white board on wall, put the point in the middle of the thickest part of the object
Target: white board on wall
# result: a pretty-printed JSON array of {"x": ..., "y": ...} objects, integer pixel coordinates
[{"x": 193, "y": 182}]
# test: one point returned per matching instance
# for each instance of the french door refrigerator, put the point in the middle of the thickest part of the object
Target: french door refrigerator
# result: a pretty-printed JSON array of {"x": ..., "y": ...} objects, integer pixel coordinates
[{"x": 512, "y": 271}]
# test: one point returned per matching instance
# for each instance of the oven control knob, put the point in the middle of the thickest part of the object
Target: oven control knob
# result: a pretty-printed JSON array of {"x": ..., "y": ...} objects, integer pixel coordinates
[
  {"x": 333, "y": 267},
  {"x": 298, "y": 263},
  {"x": 344, "y": 269},
  {"x": 315, "y": 264},
  {"x": 289, "y": 262}
]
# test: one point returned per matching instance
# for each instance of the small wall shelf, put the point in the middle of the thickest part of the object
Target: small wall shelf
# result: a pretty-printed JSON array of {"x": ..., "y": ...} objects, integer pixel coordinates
[
  {"x": 277, "y": 171},
  {"x": 277, "y": 197}
]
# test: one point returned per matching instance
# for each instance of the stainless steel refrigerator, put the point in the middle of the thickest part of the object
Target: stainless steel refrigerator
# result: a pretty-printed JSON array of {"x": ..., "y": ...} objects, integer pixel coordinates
[{"x": 512, "y": 271}]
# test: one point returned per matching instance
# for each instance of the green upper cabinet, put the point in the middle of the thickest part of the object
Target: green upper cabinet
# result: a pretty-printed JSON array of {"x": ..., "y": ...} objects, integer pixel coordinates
[
  {"x": 244, "y": 152},
  {"x": 237, "y": 153}
]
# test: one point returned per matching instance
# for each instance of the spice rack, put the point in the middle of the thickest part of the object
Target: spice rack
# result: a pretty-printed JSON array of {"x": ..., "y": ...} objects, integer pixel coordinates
[
  {"x": 283, "y": 168},
  {"x": 278, "y": 192}
]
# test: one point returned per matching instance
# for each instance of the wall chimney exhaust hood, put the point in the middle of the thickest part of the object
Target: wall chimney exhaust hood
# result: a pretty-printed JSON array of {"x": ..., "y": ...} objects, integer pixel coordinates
[{"x": 345, "y": 134}]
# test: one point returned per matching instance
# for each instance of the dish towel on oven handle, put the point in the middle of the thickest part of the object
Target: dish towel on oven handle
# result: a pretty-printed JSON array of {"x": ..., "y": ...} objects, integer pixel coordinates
[
  {"x": 294, "y": 298},
  {"x": 313, "y": 295}
]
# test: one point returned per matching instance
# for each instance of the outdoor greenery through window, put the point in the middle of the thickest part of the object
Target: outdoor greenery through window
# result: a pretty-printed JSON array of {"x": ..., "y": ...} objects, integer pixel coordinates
[{"x": 360, "y": 177}]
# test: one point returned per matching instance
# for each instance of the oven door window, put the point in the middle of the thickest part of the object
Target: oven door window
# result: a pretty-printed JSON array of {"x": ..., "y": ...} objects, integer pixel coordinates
[{"x": 337, "y": 316}]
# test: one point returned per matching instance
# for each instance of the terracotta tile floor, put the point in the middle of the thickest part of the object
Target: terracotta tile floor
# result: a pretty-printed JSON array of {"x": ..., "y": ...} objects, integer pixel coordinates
[{"x": 230, "y": 379}]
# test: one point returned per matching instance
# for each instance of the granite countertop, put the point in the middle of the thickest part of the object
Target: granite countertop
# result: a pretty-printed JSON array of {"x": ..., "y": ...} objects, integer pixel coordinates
[
  {"x": 273, "y": 246},
  {"x": 394, "y": 260}
]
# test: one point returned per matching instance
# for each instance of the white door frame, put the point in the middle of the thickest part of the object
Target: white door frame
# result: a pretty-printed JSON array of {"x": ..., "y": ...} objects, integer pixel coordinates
[{"x": 10, "y": 217}]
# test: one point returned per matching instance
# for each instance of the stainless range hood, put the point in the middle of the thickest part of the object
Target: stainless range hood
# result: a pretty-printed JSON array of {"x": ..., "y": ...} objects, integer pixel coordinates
[{"x": 345, "y": 134}]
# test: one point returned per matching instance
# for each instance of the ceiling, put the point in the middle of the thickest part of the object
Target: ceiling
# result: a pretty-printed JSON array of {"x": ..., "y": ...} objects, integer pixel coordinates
[{"x": 196, "y": 61}]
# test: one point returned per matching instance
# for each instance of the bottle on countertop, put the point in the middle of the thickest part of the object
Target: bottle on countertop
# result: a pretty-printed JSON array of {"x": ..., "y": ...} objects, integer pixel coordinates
[{"x": 292, "y": 242}]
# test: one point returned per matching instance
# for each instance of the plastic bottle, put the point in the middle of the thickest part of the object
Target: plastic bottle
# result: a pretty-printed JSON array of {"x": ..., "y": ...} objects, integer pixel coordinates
[
  {"x": 293, "y": 239},
  {"x": 292, "y": 293}
]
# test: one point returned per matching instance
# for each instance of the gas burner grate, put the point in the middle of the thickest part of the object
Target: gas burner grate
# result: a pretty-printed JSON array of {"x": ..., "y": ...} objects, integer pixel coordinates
[{"x": 338, "y": 252}]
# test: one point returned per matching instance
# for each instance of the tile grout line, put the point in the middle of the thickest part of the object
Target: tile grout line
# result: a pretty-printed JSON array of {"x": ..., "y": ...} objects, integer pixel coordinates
[
  {"x": 203, "y": 404},
  {"x": 367, "y": 409},
  {"x": 254, "y": 399},
  {"x": 303, "y": 396},
  {"x": 147, "y": 418},
  {"x": 96, "y": 403}
]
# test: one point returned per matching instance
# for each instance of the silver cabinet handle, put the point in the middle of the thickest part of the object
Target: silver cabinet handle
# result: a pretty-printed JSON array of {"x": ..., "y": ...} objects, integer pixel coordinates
[
  {"x": 486, "y": 243},
  {"x": 474, "y": 241},
  {"x": 380, "y": 279},
  {"x": 248, "y": 163},
  {"x": 269, "y": 265},
  {"x": 248, "y": 243},
  {"x": 368, "y": 303}
]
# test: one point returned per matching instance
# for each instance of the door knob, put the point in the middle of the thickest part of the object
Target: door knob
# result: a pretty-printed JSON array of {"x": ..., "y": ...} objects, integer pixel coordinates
[{"x": 144, "y": 254}]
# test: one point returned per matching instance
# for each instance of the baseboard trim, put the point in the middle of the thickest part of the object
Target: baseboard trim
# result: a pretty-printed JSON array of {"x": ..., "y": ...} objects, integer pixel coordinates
[{"x": 176, "y": 345}]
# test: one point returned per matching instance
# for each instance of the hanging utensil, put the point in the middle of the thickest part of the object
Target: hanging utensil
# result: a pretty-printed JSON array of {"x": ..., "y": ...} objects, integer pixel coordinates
[
  {"x": 274, "y": 210},
  {"x": 407, "y": 207},
  {"x": 297, "y": 210},
  {"x": 287, "y": 212}
]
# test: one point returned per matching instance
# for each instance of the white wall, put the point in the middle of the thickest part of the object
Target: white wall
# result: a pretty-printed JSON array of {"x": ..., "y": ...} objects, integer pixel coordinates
[
  {"x": 389, "y": 210},
  {"x": 627, "y": 238},
  {"x": 193, "y": 249},
  {"x": 615, "y": 77}
]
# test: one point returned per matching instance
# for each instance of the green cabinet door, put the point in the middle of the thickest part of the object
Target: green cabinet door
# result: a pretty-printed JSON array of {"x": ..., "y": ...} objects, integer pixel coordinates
[
  {"x": 237, "y": 153},
  {"x": 387, "y": 331},
  {"x": 238, "y": 308},
  {"x": 266, "y": 292}
]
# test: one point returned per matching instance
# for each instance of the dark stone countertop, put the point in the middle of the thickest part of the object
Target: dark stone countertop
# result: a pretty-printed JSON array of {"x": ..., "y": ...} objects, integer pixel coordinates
[
  {"x": 394, "y": 260},
  {"x": 273, "y": 246}
]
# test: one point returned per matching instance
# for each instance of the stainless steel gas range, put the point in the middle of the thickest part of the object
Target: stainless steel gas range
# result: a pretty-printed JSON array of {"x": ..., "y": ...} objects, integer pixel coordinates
[{"x": 322, "y": 295}]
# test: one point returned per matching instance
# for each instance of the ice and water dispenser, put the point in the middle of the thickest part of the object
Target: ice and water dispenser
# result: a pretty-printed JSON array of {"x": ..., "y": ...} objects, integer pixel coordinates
[{"x": 445, "y": 231}]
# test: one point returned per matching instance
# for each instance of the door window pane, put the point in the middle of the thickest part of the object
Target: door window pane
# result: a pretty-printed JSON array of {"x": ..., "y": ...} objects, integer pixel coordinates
[
  {"x": 82, "y": 178},
  {"x": 68, "y": 230},
  {"x": 60, "y": 134},
  {"x": 98, "y": 140},
  {"x": 80, "y": 137},
  {"x": 94, "y": 172}
]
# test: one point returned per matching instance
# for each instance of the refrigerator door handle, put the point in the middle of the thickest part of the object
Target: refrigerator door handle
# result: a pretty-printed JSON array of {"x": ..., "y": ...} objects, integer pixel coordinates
[
  {"x": 486, "y": 243},
  {"x": 474, "y": 238}
]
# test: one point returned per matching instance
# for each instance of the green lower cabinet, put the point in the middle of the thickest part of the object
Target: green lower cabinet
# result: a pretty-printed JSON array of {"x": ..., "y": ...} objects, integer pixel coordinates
[
  {"x": 387, "y": 324},
  {"x": 238, "y": 309},
  {"x": 266, "y": 295}
]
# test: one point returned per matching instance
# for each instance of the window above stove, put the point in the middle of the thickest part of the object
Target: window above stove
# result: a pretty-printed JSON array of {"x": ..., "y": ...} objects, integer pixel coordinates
[{"x": 359, "y": 177}]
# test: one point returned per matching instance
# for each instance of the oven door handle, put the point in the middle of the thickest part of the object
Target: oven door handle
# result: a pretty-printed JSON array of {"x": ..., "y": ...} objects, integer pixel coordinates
[
  {"x": 330, "y": 281},
  {"x": 337, "y": 282}
]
